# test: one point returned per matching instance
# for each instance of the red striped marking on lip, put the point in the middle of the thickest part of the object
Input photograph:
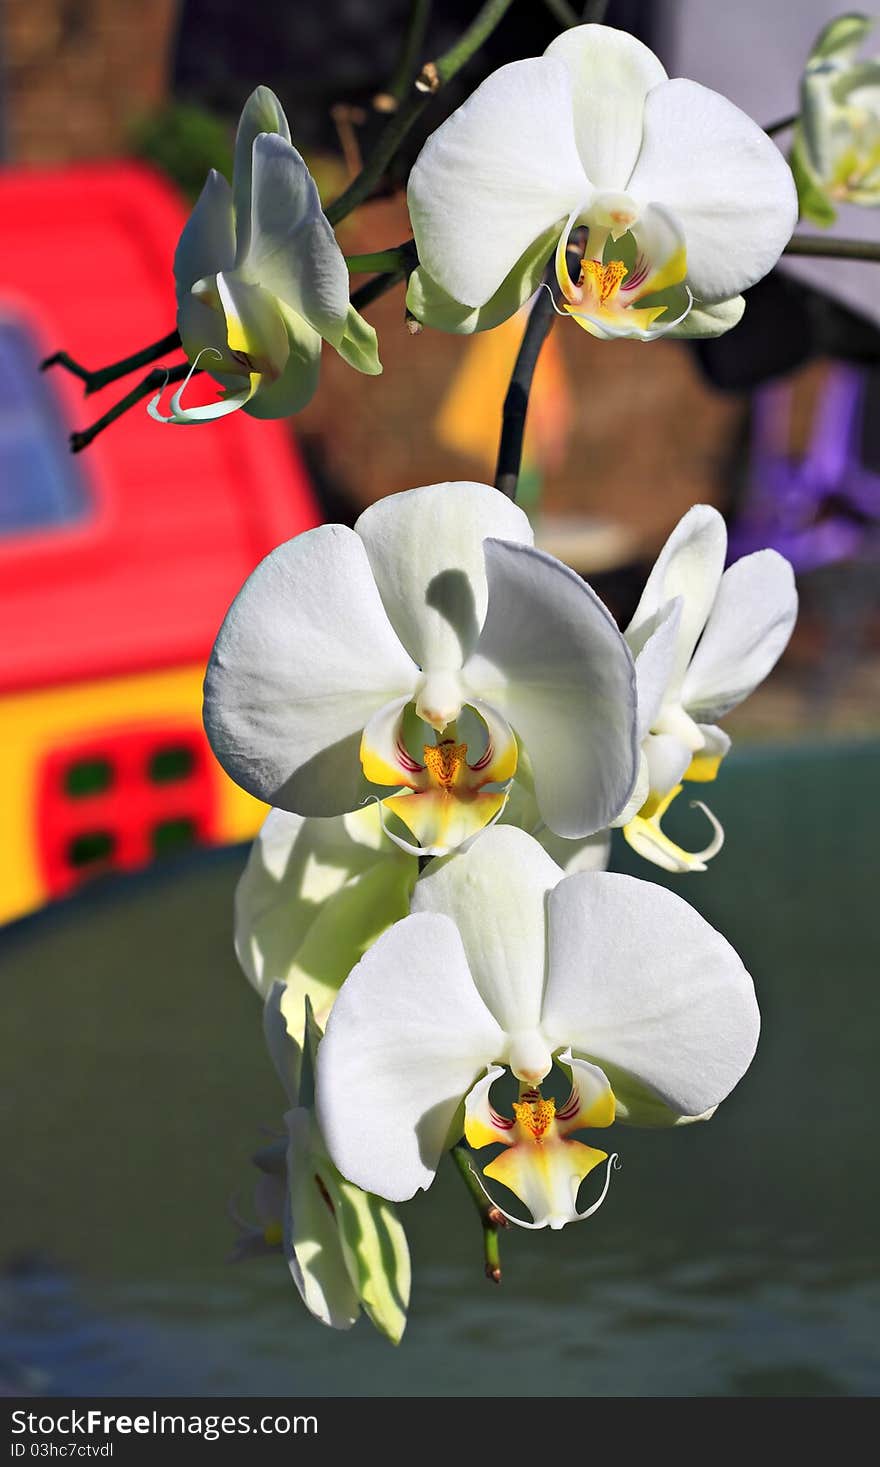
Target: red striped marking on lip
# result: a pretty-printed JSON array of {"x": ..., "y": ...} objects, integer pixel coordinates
[
  {"x": 570, "y": 1108},
  {"x": 486, "y": 758},
  {"x": 406, "y": 760},
  {"x": 506, "y": 1123},
  {"x": 639, "y": 274}
]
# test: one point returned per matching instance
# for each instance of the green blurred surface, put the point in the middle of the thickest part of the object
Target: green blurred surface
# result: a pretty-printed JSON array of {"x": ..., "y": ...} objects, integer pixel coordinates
[{"x": 737, "y": 1257}]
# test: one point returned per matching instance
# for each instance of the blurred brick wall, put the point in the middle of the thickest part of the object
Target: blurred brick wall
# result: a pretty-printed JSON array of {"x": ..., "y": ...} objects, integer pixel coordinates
[{"x": 77, "y": 72}]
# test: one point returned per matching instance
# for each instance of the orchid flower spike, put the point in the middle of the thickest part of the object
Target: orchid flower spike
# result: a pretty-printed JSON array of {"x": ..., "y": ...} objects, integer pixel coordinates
[
  {"x": 346, "y": 1250},
  {"x": 703, "y": 638},
  {"x": 686, "y": 200},
  {"x": 506, "y": 963},
  {"x": 314, "y": 895},
  {"x": 836, "y": 149},
  {"x": 402, "y": 660},
  {"x": 261, "y": 281}
]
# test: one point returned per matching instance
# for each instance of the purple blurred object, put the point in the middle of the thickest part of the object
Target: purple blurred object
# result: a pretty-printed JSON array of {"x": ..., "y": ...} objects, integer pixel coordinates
[{"x": 825, "y": 506}]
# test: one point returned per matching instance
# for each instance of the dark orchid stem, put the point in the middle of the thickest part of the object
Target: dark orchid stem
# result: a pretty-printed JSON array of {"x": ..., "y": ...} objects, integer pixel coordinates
[
  {"x": 432, "y": 77},
  {"x": 366, "y": 294},
  {"x": 831, "y": 248},
  {"x": 491, "y": 1217},
  {"x": 408, "y": 60},
  {"x": 153, "y": 382},
  {"x": 104, "y": 375},
  {"x": 782, "y": 125},
  {"x": 516, "y": 403}
]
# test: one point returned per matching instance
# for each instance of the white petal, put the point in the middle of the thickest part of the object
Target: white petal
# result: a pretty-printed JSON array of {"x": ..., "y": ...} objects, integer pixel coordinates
[
  {"x": 262, "y": 113},
  {"x": 289, "y": 393},
  {"x": 493, "y": 177},
  {"x": 293, "y": 251},
  {"x": 304, "y": 657},
  {"x": 653, "y": 645},
  {"x": 611, "y": 74},
  {"x": 495, "y": 894},
  {"x": 285, "y": 1053},
  {"x": 639, "y": 982},
  {"x": 748, "y": 630},
  {"x": 405, "y": 1041},
  {"x": 690, "y": 566},
  {"x": 314, "y": 1248},
  {"x": 706, "y": 321},
  {"x": 591, "y": 854},
  {"x": 377, "y": 1256},
  {"x": 641, "y": 790},
  {"x": 429, "y": 303},
  {"x": 552, "y": 661},
  {"x": 725, "y": 181},
  {"x": 425, "y": 547},
  {"x": 667, "y": 758},
  {"x": 207, "y": 243}
]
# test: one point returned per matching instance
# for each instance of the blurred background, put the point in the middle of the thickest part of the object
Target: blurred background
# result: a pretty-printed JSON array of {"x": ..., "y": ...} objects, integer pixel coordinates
[{"x": 134, "y": 1055}]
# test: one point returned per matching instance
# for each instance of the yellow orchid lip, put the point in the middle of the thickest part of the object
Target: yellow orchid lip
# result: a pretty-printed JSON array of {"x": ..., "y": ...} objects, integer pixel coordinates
[
  {"x": 445, "y": 801},
  {"x": 605, "y": 298},
  {"x": 541, "y": 1164},
  {"x": 645, "y": 835}
]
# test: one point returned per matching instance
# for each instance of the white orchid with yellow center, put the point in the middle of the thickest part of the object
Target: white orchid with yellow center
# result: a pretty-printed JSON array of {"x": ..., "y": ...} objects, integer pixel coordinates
[
  {"x": 261, "y": 280},
  {"x": 403, "y": 659},
  {"x": 703, "y": 638},
  {"x": 506, "y": 963},
  {"x": 836, "y": 150},
  {"x": 685, "y": 199}
]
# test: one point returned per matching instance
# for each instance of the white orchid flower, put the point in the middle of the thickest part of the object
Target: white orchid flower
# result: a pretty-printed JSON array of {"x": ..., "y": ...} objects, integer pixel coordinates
[
  {"x": 686, "y": 199},
  {"x": 403, "y": 658},
  {"x": 505, "y": 962},
  {"x": 261, "y": 281},
  {"x": 314, "y": 895},
  {"x": 346, "y": 1250},
  {"x": 836, "y": 149},
  {"x": 703, "y": 638}
]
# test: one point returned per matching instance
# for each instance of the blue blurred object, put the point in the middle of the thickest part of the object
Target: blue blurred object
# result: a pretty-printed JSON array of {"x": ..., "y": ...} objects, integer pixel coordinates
[
  {"x": 824, "y": 507},
  {"x": 41, "y": 483}
]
